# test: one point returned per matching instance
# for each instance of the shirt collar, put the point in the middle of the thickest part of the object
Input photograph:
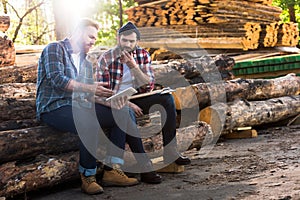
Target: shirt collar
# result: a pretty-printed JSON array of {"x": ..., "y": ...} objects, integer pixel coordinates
[{"x": 68, "y": 46}]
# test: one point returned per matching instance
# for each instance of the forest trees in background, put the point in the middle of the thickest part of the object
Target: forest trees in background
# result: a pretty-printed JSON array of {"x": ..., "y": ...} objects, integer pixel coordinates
[
  {"x": 31, "y": 21},
  {"x": 36, "y": 22},
  {"x": 111, "y": 17},
  {"x": 290, "y": 11}
]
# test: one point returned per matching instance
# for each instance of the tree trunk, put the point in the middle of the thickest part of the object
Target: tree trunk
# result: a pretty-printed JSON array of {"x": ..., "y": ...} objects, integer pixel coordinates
[
  {"x": 63, "y": 20},
  {"x": 46, "y": 171},
  {"x": 7, "y": 52},
  {"x": 224, "y": 118},
  {"x": 204, "y": 94},
  {"x": 291, "y": 9},
  {"x": 30, "y": 142}
]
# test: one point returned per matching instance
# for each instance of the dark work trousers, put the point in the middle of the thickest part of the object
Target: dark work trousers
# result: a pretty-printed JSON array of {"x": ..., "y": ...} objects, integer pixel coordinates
[
  {"x": 82, "y": 122},
  {"x": 164, "y": 103}
]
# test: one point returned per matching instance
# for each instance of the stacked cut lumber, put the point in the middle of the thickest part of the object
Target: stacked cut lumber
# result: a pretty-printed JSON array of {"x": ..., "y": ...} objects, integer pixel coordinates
[
  {"x": 7, "y": 49},
  {"x": 193, "y": 12},
  {"x": 212, "y": 24},
  {"x": 268, "y": 67},
  {"x": 279, "y": 34},
  {"x": 141, "y": 2}
]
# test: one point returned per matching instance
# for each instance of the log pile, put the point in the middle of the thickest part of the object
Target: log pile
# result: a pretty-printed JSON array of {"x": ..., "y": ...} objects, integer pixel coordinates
[
  {"x": 7, "y": 49},
  {"x": 212, "y": 24},
  {"x": 42, "y": 157},
  {"x": 227, "y": 117}
]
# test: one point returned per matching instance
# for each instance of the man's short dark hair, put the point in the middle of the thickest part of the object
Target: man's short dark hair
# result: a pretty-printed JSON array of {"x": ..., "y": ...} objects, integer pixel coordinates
[{"x": 129, "y": 28}]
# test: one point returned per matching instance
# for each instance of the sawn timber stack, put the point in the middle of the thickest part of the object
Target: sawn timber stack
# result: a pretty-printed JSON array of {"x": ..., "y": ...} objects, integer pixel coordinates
[{"x": 212, "y": 24}]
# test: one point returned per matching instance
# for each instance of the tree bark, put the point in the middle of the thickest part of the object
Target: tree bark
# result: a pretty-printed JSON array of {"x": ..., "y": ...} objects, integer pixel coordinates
[
  {"x": 223, "y": 118},
  {"x": 18, "y": 90},
  {"x": 4, "y": 23},
  {"x": 18, "y": 74},
  {"x": 16, "y": 109},
  {"x": 46, "y": 171},
  {"x": 18, "y": 124},
  {"x": 45, "y": 140},
  {"x": 7, "y": 52},
  {"x": 291, "y": 9},
  {"x": 193, "y": 136},
  {"x": 201, "y": 94},
  {"x": 30, "y": 142},
  {"x": 205, "y": 94}
]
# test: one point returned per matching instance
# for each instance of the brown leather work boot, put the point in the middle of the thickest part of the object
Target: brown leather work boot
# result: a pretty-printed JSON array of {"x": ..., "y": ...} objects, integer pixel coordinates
[
  {"x": 116, "y": 177},
  {"x": 89, "y": 185}
]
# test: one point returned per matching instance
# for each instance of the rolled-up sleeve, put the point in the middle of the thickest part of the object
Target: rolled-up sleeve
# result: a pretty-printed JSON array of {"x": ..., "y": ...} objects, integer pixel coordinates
[{"x": 144, "y": 61}]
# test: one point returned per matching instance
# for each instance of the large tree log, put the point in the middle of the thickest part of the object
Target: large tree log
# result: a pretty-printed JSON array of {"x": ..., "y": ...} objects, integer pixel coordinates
[
  {"x": 4, "y": 23},
  {"x": 18, "y": 74},
  {"x": 15, "y": 109},
  {"x": 18, "y": 124},
  {"x": 193, "y": 136},
  {"x": 203, "y": 94},
  {"x": 30, "y": 142},
  {"x": 46, "y": 171},
  {"x": 18, "y": 90},
  {"x": 25, "y": 68},
  {"x": 227, "y": 117},
  {"x": 7, "y": 52}
]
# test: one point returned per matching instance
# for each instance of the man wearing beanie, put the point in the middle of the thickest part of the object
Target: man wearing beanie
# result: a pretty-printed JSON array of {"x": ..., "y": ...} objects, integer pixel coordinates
[{"x": 128, "y": 65}]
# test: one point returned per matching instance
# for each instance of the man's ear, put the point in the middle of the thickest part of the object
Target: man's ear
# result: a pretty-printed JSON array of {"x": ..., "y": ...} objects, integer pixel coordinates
[{"x": 118, "y": 39}]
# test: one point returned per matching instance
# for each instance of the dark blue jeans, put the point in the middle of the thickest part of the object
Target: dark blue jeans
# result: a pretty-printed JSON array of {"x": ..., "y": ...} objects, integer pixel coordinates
[
  {"x": 82, "y": 122},
  {"x": 168, "y": 115}
]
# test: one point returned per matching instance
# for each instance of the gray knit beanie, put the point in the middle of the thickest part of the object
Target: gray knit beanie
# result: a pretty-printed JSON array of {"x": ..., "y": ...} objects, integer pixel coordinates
[{"x": 129, "y": 26}]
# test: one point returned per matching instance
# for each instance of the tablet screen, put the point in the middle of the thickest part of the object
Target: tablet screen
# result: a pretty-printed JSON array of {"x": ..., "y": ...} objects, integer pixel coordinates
[{"x": 127, "y": 92}]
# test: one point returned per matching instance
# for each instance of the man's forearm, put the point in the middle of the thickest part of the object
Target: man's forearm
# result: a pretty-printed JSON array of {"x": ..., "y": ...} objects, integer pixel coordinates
[
  {"x": 80, "y": 87},
  {"x": 140, "y": 76}
]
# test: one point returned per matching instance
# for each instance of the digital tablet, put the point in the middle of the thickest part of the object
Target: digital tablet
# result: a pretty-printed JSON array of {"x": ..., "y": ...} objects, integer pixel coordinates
[{"x": 127, "y": 92}]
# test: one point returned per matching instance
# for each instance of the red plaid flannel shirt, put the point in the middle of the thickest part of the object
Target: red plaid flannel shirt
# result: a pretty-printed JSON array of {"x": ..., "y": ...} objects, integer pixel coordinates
[{"x": 110, "y": 69}]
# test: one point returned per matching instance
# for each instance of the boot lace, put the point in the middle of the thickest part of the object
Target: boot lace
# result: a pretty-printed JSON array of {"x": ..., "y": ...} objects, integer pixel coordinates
[
  {"x": 90, "y": 179},
  {"x": 117, "y": 169}
]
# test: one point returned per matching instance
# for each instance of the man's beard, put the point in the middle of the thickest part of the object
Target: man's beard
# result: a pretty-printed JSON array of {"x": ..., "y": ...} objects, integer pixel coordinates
[{"x": 128, "y": 49}]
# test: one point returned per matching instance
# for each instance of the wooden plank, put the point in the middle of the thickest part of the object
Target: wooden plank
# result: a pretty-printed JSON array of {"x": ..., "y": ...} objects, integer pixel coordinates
[
  {"x": 252, "y": 133},
  {"x": 171, "y": 168},
  {"x": 268, "y": 74},
  {"x": 214, "y": 43}
]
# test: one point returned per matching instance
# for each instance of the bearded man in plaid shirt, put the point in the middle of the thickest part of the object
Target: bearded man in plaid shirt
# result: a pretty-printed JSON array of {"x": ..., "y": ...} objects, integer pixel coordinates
[{"x": 128, "y": 65}]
